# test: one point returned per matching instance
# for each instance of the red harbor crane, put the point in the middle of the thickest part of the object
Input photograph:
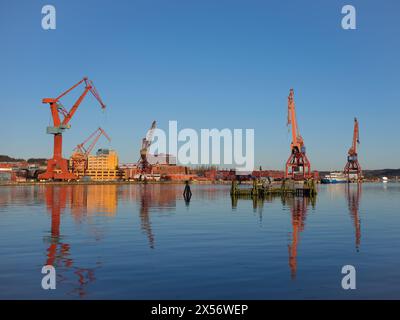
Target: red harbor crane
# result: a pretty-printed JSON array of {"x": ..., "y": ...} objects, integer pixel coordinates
[
  {"x": 57, "y": 167},
  {"x": 297, "y": 166},
  {"x": 352, "y": 165},
  {"x": 81, "y": 153},
  {"x": 143, "y": 163}
]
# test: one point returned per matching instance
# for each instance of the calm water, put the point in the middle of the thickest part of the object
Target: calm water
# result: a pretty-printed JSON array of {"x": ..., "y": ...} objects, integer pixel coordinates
[{"x": 145, "y": 242}]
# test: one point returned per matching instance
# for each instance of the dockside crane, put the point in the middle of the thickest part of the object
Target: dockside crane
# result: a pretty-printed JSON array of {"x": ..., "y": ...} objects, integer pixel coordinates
[
  {"x": 143, "y": 163},
  {"x": 81, "y": 153},
  {"x": 297, "y": 166},
  {"x": 57, "y": 167},
  {"x": 352, "y": 165}
]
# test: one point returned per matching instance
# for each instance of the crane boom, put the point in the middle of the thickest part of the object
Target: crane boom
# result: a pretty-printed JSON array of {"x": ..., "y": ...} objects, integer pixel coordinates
[
  {"x": 356, "y": 139},
  {"x": 96, "y": 135},
  {"x": 57, "y": 167}
]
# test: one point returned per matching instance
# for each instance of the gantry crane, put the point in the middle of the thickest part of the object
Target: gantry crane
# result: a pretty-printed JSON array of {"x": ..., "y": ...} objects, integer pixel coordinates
[
  {"x": 352, "y": 165},
  {"x": 298, "y": 165},
  {"x": 81, "y": 153},
  {"x": 57, "y": 167},
  {"x": 143, "y": 163}
]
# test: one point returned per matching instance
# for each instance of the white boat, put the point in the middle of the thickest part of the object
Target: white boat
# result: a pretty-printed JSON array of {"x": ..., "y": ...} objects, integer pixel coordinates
[
  {"x": 385, "y": 179},
  {"x": 334, "y": 177}
]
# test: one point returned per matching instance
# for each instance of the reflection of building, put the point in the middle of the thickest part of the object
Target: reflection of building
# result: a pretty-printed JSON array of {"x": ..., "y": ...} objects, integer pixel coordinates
[
  {"x": 102, "y": 199},
  {"x": 353, "y": 199}
]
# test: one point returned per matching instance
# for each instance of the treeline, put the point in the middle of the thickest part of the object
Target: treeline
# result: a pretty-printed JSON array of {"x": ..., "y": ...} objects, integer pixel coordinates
[{"x": 5, "y": 158}]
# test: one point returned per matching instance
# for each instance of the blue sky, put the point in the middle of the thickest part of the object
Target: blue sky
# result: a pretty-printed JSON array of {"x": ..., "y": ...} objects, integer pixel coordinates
[{"x": 207, "y": 64}]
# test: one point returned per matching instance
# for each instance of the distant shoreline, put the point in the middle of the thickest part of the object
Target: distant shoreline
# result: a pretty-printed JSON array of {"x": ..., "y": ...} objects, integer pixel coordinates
[
  {"x": 74, "y": 183},
  {"x": 94, "y": 183}
]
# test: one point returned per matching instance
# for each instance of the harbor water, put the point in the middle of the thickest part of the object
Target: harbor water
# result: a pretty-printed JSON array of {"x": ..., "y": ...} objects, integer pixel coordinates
[{"x": 147, "y": 242}]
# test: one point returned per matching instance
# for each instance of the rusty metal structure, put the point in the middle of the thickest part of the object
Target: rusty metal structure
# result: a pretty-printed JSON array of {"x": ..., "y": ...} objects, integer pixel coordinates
[
  {"x": 143, "y": 163},
  {"x": 57, "y": 166},
  {"x": 298, "y": 166},
  {"x": 353, "y": 166}
]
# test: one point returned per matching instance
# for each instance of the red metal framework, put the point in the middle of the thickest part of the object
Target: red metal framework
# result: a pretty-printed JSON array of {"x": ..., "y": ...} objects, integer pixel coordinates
[
  {"x": 297, "y": 166},
  {"x": 57, "y": 167},
  {"x": 353, "y": 166}
]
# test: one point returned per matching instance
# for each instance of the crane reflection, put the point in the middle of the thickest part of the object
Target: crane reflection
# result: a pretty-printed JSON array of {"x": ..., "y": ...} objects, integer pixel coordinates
[
  {"x": 353, "y": 193},
  {"x": 298, "y": 208},
  {"x": 59, "y": 252}
]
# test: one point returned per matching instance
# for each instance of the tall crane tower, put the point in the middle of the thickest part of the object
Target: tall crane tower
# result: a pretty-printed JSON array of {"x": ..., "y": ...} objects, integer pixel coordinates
[
  {"x": 352, "y": 165},
  {"x": 81, "y": 153},
  {"x": 298, "y": 165},
  {"x": 143, "y": 163},
  {"x": 57, "y": 167}
]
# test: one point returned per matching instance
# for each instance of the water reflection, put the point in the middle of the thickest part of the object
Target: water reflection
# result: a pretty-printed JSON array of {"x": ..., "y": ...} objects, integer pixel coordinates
[
  {"x": 90, "y": 206},
  {"x": 59, "y": 252},
  {"x": 298, "y": 208},
  {"x": 353, "y": 193}
]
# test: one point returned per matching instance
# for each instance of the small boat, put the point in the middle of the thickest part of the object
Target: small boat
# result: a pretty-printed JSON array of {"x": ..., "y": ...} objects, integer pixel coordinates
[
  {"x": 334, "y": 177},
  {"x": 385, "y": 179}
]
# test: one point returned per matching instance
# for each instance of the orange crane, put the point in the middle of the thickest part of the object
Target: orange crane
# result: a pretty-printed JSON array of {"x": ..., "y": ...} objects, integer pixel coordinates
[
  {"x": 352, "y": 165},
  {"x": 80, "y": 154},
  {"x": 143, "y": 163},
  {"x": 298, "y": 165},
  {"x": 57, "y": 167}
]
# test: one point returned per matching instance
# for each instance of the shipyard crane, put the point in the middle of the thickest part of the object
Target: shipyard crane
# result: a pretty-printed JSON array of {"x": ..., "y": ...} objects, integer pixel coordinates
[
  {"x": 298, "y": 165},
  {"x": 81, "y": 153},
  {"x": 57, "y": 167},
  {"x": 352, "y": 165},
  {"x": 143, "y": 163}
]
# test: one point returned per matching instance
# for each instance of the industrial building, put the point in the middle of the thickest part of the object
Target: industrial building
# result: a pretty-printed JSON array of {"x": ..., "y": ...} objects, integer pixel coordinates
[{"x": 103, "y": 166}]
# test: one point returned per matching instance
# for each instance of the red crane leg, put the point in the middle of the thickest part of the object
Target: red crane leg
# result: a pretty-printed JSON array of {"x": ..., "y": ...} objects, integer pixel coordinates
[{"x": 298, "y": 166}]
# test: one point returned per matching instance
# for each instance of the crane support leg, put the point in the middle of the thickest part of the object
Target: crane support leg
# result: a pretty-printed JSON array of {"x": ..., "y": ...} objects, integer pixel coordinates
[
  {"x": 298, "y": 166},
  {"x": 353, "y": 168},
  {"x": 57, "y": 167}
]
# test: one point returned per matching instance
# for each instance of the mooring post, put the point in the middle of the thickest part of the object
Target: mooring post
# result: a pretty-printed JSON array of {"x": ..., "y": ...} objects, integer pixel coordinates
[{"x": 187, "y": 193}]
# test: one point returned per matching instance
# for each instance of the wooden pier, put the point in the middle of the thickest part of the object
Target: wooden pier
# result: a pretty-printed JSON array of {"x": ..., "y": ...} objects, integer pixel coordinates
[{"x": 306, "y": 188}]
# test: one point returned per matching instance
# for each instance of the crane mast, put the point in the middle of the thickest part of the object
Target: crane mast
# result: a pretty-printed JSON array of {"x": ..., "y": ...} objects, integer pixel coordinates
[
  {"x": 143, "y": 163},
  {"x": 353, "y": 167},
  {"x": 57, "y": 166},
  {"x": 297, "y": 166}
]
